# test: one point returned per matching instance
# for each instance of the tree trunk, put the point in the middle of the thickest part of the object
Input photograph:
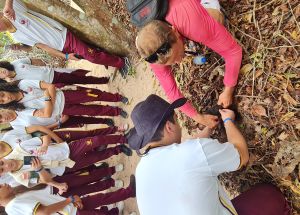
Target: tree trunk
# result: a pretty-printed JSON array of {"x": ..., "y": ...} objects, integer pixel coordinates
[{"x": 97, "y": 26}]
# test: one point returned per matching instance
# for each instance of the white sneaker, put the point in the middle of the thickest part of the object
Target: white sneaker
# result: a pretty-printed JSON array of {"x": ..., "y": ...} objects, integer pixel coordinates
[
  {"x": 120, "y": 206},
  {"x": 111, "y": 206},
  {"x": 133, "y": 213},
  {"x": 119, "y": 167},
  {"x": 119, "y": 184}
]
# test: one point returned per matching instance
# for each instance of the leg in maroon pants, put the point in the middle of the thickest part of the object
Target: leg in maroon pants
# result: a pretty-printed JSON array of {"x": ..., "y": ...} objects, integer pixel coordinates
[
  {"x": 75, "y": 180},
  {"x": 79, "y": 121},
  {"x": 101, "y": 211},
  {"x": 71, "y": 135},
  {"x": 86, "y": 159},
  {"x": 91, "y": 110},
  {"x": 90, "y": 188},
  {"x": 90, "y": 53},
  {"x": 70, "y": 78},
  {"x": 262, "y": 199},
  {"x": 99, "y": 199},
  {"x": 82, "y": 95}
]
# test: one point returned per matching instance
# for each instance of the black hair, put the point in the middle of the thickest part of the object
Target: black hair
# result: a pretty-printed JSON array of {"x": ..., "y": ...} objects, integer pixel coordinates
[
  {"x": 158, "y": 135},
  {"x": 7, "y": 65},
  {"x": 11, "y": 87}
]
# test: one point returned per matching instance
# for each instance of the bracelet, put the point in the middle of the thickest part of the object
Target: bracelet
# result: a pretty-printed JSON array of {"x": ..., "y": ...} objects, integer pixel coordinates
[
  {"x": 72, "y": 199},
  {"x": 47, "y": 99},
  {"x": 228, "y": 119},
  {"x": 67, "y": 56},
  {"x": 39, "y": 170}
]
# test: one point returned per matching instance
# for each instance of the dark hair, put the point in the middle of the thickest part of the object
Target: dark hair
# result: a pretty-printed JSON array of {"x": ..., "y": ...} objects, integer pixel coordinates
[
  {"x": 11, "y": 87},
  {"x": 7, "y": 65},
  {"x": 158, "y": 135}
]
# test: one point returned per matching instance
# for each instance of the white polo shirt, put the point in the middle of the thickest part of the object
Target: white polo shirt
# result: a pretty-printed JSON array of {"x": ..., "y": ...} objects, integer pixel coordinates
[
  {"x": 34, "y": 97},
  {"x": 27, "y": 203},
  {"x": 16, "y": 136},
  {"x": 182, "y": 179},
  {"x": 35, "y": 28},
  {"x": 26, "y": 71},
  {"x": 26, "y": 118}
]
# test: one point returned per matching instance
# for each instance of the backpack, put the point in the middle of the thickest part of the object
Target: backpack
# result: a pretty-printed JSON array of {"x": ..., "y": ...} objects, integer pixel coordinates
[{"x": 144, "y": 11}]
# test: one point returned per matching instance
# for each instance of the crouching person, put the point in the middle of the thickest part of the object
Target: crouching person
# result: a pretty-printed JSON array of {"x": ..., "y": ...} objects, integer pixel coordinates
[{"x": 177, "y": 178}]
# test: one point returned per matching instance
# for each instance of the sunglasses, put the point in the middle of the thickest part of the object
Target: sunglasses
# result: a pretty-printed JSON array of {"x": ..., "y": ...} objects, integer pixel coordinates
[{"x": 161, "y": 50}]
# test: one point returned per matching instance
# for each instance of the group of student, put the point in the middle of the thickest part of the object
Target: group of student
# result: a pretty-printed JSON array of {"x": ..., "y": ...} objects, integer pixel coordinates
[
  {"x": 172, "y": 177},
  {"x": 44, "y": 167}
]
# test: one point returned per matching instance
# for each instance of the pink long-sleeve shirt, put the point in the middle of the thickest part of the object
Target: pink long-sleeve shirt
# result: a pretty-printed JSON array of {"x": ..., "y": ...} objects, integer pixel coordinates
[{"x": 192, "y": 21}]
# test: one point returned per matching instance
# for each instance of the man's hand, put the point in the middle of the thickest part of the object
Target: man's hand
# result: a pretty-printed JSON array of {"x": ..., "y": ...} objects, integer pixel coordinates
[
  {"x": 225, "y": 98},
  {"x": 36, "y": 163},
  {"x": 226, "y": 113},
  {"x": 9, "y": 12},
  {"x": 207, "y": 120},
  {"x": 62, "y": 187},
  {"x": 72, "y": 57}
]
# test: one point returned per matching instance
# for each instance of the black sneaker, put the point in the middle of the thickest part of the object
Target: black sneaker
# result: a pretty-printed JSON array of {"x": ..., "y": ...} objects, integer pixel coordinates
[
  {"x": 124, "y": 114},
  {"x": 132, "y": 185},
  {"x": 127, "y": 151},
  {"x": 125, "y": 69},
  {"x": 109, "y": 122},
  {"x": 124, "y": 100}
]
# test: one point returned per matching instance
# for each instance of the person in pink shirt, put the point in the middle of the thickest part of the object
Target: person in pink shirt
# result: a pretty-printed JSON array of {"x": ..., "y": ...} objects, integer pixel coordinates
[{"x": 162, "y": 44}]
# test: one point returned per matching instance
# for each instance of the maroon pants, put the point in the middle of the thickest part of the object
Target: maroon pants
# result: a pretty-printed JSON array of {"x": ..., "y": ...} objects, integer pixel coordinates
[
  {"x": 71, "y": 135},
  {"x": 262, "y": 199},
  {"x": 82, "y": 151},
  {"x": 79, "y": 121},
  {"x": 80, "y": 183},
  {"x": 77, "y": 77},
  {"x": 90, "y": 53},
  {"x": 101, "y": 211},
  {"x": 74, "y": 98}
]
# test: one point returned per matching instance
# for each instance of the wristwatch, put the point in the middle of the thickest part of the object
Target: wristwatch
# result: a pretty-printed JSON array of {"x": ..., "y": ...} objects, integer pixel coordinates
[{"x": 47, "y": 99}]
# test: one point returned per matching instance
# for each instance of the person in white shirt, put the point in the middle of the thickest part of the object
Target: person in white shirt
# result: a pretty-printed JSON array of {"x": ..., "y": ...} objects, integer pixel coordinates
[
  {"x": 31, "y": 28},
  {"x": 176, "y": 178},
  {"x": 51, "y": 103},
  {"x": 36, "y": 69},
  {"x": 23, "y": 201}
]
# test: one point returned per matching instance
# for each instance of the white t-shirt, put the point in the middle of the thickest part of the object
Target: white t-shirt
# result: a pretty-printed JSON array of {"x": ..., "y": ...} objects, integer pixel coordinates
[
  {"x": 16, "y": 136},
  {"x": 182, "y": 179},
  {"x": 25, "y": 70},
  {"x": 27, "y": 203},
  {"x": 26, "y": 118},
  {"x": 35, "y": 28},
  {"x": 34, "y": 97}
]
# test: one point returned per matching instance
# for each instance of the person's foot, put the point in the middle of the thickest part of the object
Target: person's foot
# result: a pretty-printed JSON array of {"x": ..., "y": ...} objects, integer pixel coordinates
[
  {"x": 132, "y": 185},
  {"x": 119, "y": 184},
  {"x": 127, "y": 151},
  {"x": 124, "y": 100},
  {"x": 119, "y": 167},
  {"x": 125, "y": 69},
  {"x": 133, "y": 213},
  {"x": 124, "y": 114},
  {"x": 120, "y": 206},
  {"x": 123, "y": 128},
  {"x": 101, "y": 148},
  {"x": 109, "y": 122},
  {"x": 100, "y": 165}
]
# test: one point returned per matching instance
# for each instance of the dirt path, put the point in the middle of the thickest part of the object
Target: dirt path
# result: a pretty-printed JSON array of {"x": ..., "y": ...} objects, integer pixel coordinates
[{"x": 136, "y": 88}]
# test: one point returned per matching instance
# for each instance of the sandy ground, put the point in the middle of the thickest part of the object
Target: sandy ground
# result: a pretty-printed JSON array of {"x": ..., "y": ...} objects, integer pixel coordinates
[{"x": 136, "y": 87}]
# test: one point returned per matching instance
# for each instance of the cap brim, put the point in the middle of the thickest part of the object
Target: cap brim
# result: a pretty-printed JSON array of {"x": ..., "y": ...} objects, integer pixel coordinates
[{"x": 134, "y": 140}]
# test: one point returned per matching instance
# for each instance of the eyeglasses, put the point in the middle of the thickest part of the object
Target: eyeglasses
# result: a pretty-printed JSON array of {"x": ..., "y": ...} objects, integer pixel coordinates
[{"x": 161, "y": 50}]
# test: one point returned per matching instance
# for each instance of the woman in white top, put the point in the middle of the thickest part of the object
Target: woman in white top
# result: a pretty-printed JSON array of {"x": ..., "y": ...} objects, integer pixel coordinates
[
  {"x": 23, "y": 201},
  {"x": 51, "y": 104},
  {"x": 36, "y": 69}
]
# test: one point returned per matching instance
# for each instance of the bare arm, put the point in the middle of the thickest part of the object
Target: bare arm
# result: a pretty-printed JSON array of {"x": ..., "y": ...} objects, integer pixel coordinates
[
  {"x": 53, "y": 52},
  {"x": 234, "y": 136},
  {"x": 51, "y": 90},
  {"x": 37, "y": 62},
  {"x": 62, "y": 120},
  {"x": 33, "y": 128},
  {"x": 53, "y": 208}
]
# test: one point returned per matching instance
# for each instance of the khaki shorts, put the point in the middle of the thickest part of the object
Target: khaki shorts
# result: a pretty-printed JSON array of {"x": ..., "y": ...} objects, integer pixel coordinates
[{"x": 211, "y": 4}]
